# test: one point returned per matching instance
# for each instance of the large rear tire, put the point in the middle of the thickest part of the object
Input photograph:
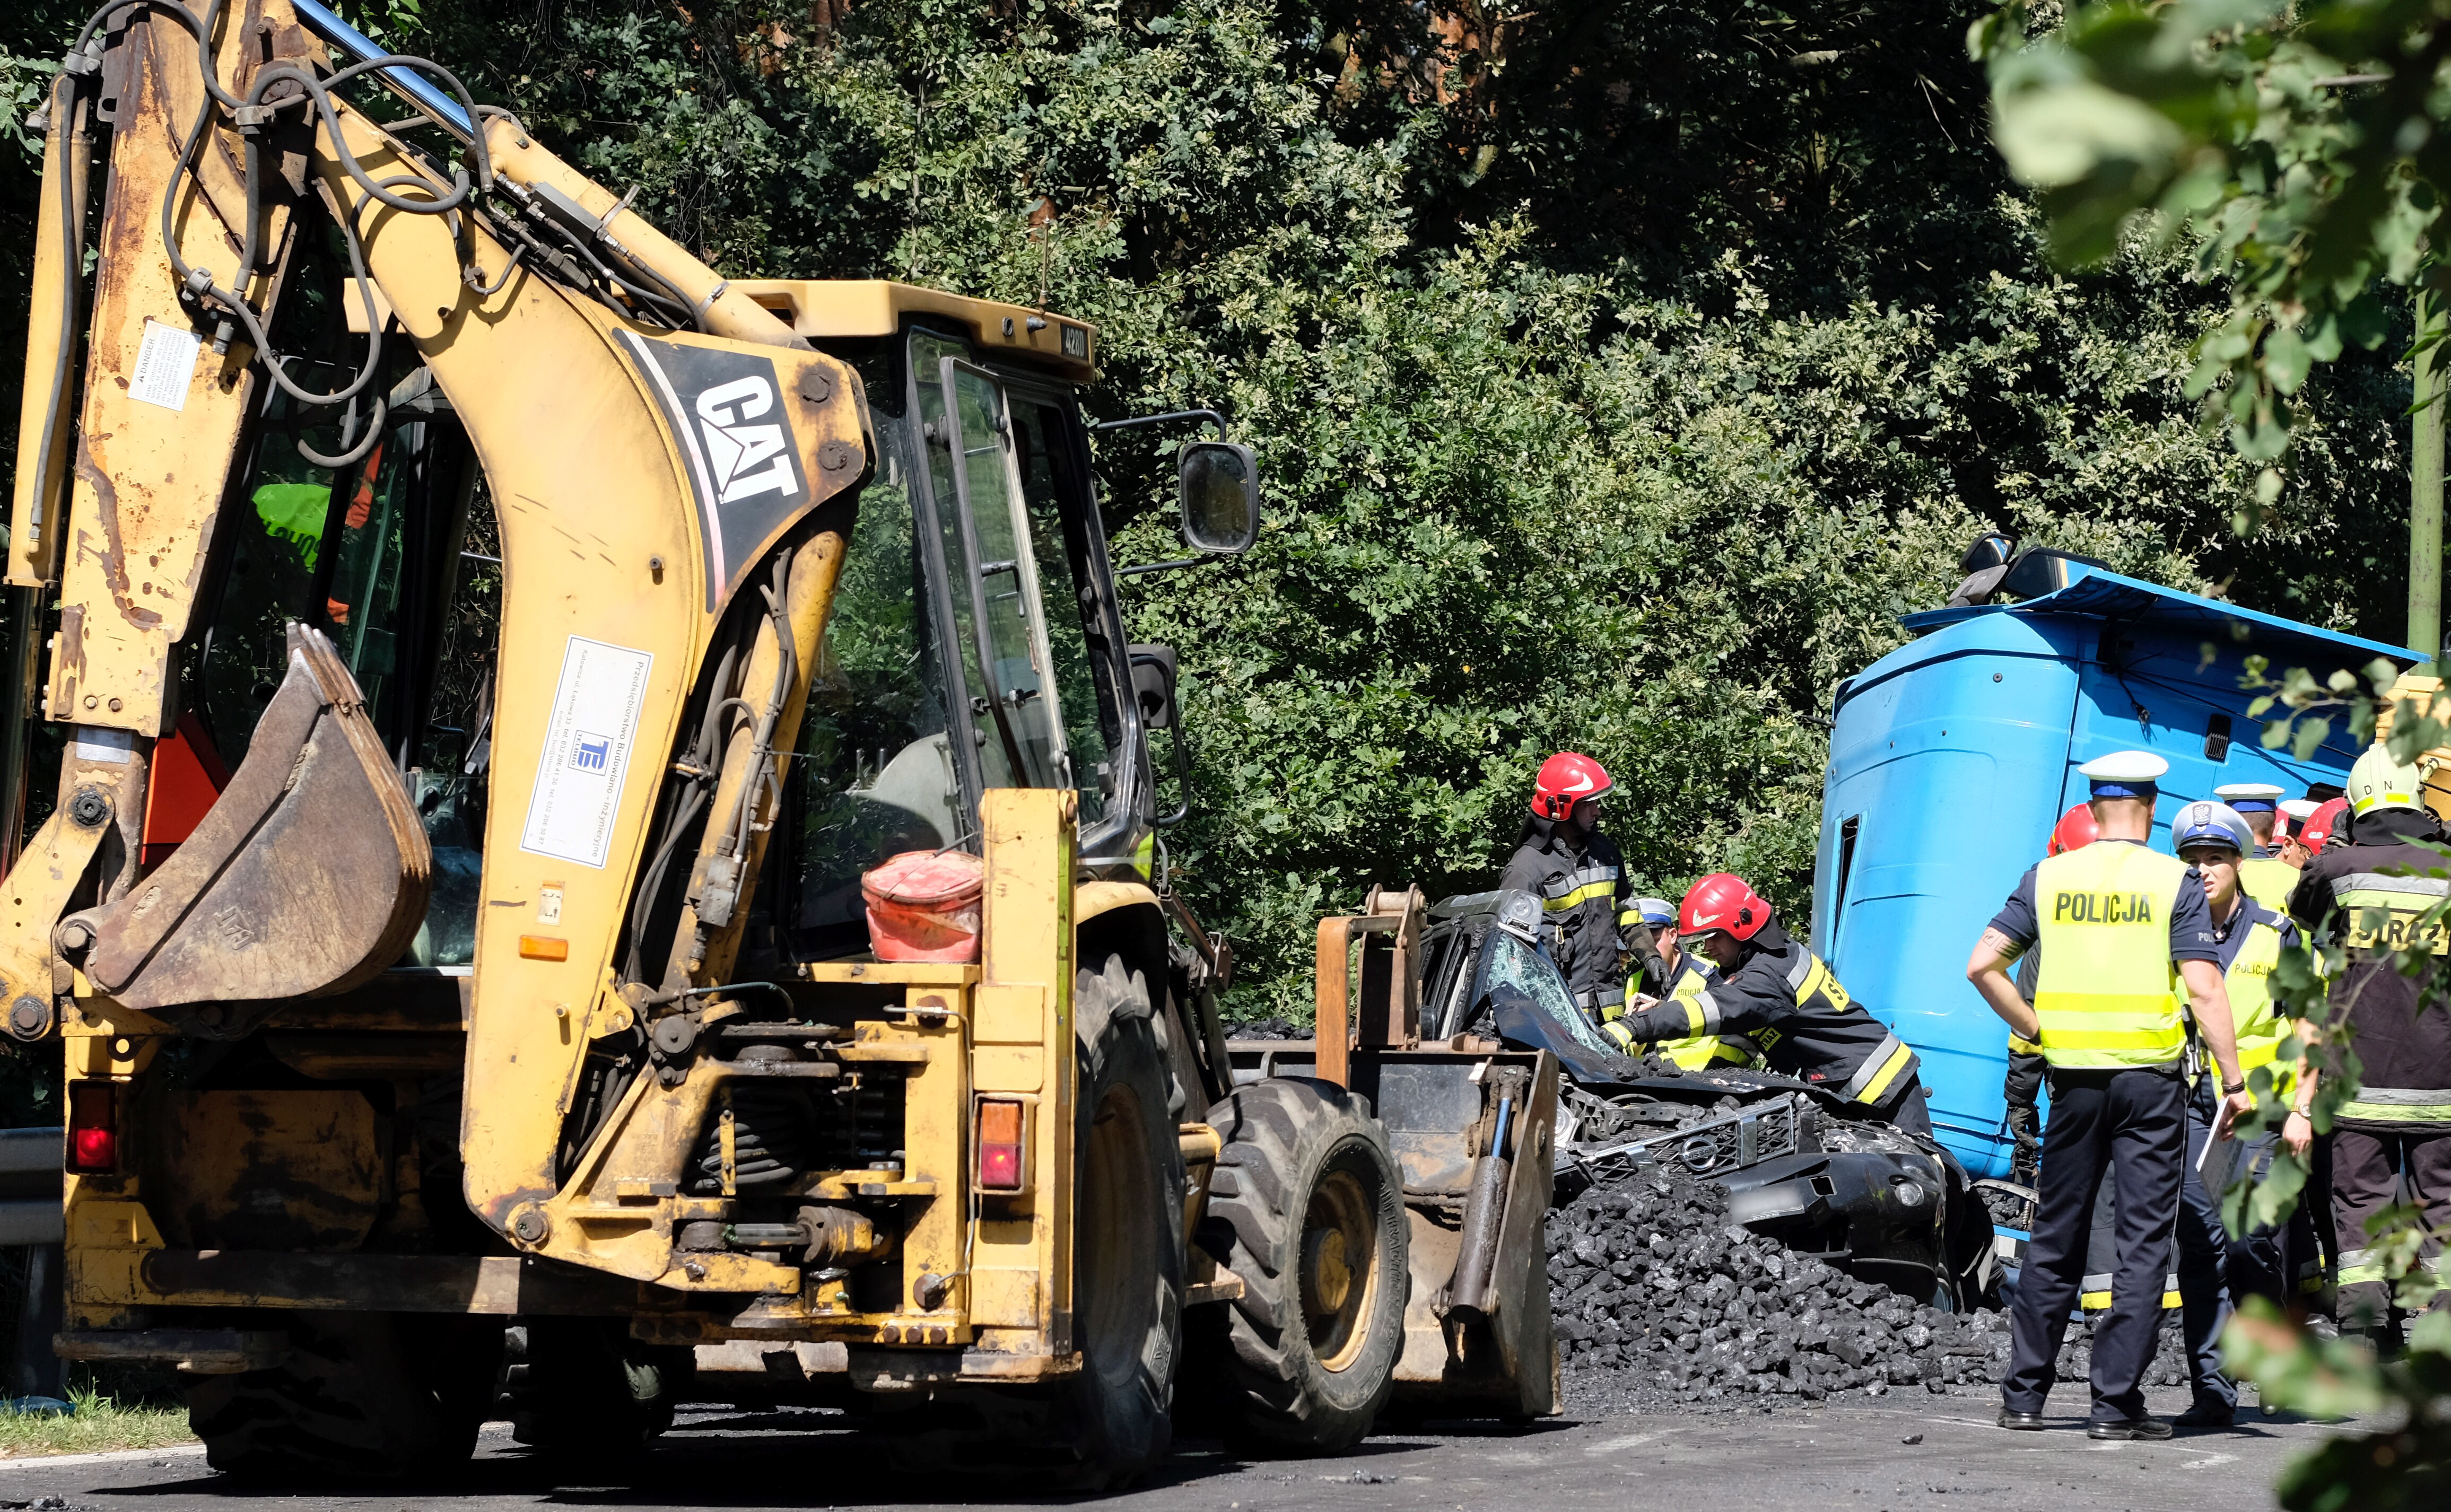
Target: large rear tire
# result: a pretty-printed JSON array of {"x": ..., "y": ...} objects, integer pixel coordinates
[
  {"x": 1106, "y": 1425},
  {"x": 360, "y": 1397},
  {"x": 1307, "y": 1209}
]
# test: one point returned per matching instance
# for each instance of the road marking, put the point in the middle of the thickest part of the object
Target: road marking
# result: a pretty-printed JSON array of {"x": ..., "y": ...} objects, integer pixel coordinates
[
  {"x": 1613, "y": 1446},
  {"x": 110, "y": 1457},
  {"x": 2209, "y": 1460}
]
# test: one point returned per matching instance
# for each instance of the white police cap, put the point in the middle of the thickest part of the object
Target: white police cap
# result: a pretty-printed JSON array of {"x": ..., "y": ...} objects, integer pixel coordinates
[
  {"x": 2299, "y": 809},
  {"x": 2248, "y": 797},
  {"x": 2124, "y": 774}
]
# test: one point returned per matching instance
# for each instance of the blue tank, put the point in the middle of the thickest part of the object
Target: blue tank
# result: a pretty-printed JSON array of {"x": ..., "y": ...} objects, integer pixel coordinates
[{"x": 1951, "y": 759}]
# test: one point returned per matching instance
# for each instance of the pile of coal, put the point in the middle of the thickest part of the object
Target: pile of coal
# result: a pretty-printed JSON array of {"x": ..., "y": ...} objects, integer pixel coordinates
[
  {"x": 1650, "y": 1279},
  {"x": 1659, "y": 1299},
  {"x": 1267, "y": 1028}
]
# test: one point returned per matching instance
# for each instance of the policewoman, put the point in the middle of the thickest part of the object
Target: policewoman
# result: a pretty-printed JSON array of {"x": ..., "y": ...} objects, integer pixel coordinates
[{"x": 2126, "y": 936}]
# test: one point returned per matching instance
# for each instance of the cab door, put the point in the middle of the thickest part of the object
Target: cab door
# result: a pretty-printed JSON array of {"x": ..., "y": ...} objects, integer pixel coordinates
[{"x": 999, "y": 622}]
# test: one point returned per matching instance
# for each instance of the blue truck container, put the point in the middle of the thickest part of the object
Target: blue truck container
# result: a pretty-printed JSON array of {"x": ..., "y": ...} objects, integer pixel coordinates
[{"x": 1951, "y": 759}]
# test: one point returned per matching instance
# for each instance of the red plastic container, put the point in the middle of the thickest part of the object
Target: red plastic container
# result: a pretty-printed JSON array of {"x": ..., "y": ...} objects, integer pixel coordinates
[{"x": 924, "y": 906}]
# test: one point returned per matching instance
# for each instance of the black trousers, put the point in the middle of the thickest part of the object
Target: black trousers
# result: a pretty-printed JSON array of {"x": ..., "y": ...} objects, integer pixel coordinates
[
  {"x": 2371, "y": 1169},
  {"x": 2130, "y": 1123},
  {"x": 2204, "y": 1299}
]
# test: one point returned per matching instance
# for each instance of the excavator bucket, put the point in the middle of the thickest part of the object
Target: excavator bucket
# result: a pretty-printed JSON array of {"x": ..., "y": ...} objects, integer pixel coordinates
[{"x": 309, "y": 875}]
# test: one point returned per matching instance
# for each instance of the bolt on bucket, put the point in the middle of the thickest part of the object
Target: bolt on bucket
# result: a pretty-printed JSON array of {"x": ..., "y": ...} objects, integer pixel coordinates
[{"x": 924, "y": 906}]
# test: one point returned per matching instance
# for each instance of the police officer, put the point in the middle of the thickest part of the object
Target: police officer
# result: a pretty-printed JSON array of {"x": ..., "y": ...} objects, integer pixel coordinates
[
  {"x": 2218, "y": 842},
  {"x": 2372, "y": 894},
  {"x": 1785, "y": 999},
  {"x": 1579, "y": 878},
  {"x": 2265, "y": 874},
  {"x": 2121, "y": 928},
  {"x": 1689, "y": 976}
]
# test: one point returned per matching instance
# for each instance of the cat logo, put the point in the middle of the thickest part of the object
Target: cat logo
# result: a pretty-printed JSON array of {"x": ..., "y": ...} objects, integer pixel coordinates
[
  {"x": 744, "y": 460},
  {"x": 732, "y": 424}
]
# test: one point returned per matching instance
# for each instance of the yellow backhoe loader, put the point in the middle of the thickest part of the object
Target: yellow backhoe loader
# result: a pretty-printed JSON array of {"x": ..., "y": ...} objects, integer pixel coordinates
[{"x": 486, "y": 650}]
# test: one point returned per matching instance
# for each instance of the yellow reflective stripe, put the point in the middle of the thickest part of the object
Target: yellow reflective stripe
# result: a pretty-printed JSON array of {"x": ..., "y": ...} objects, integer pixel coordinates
[
  {"x": 1878, "y": 1086},
  {"x": 1579, "y": 895},
  {"x": 2019, "y": 1044},
  {"x": 1619, "y": 1034},
  {"x": 1702, "y": 1051},
  {"x": 1697, "y": 1017},
  {"x": 2396, "y": 1113},
  {"x": 1815, "y": 973}
]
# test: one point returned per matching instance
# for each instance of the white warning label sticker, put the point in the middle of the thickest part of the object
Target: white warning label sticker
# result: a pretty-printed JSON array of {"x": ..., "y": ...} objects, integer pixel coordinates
[
  {"x": 165, "y": 365},
  {"x": 586, "y": 752}
]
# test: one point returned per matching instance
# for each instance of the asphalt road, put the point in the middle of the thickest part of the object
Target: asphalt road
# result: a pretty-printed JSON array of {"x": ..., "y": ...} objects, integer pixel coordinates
[{"x": 1852, "y": 1457}]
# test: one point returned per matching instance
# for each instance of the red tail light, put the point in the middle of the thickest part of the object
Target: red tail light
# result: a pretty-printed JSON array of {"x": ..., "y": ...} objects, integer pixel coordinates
[
  {"x": 1003, "y": 1146},
  {"x": 93, "y": 1128}
]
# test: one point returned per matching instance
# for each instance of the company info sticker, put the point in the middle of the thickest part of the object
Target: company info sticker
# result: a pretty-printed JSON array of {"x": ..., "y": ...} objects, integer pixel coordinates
[{"x": 586, "y": 752}]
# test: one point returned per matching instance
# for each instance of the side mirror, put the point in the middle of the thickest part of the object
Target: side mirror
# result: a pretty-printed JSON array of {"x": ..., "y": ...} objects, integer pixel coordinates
[{"x": 1220, "y": 497}]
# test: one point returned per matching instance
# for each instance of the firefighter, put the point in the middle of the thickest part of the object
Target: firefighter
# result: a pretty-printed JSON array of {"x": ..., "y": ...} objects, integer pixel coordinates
[
  {"x": 1689, "y": 975},
  {"x": 1784, "y": 999},
  {"x": 2266, "y": 875},
  {"x": 2321, "y": 828},
  {"x": 2121, "y": 927},
  {"x": 1579, "y": 878},
  {"x": 2372, "y": 893},
  {"x": 2023, "y": 1085}
]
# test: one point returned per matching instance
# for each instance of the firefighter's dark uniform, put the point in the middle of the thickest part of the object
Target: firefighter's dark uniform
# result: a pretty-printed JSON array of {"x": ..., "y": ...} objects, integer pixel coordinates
[
  {"x": 2369, "y": 894},
  {"x": 2021, "y": 1089},
  {"x": 2116, "y": 919},
  {"x": 1785, "y": 999},
  {"x": 1587, "y": 921}
]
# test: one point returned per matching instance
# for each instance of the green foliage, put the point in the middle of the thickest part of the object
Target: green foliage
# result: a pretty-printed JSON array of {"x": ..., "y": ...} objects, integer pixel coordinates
[
  {"x": 1619, "y": 374},
  {"x": 2298, "y": 145},
  {"x": 2406, "y": 1466}
]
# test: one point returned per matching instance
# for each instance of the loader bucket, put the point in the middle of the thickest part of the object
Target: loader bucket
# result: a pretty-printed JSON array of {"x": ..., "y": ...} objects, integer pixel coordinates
[{"x": 1473, "y": 1130}]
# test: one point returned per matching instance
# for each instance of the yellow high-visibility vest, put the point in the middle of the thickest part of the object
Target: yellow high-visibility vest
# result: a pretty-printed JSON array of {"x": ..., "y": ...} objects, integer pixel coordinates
[
  {"x": 2260, "y": 1027},
  {"x": 1699, "y": 1052},
  {"x": 2107, "y": 993},
  {"x": 2268, "y": 880}
]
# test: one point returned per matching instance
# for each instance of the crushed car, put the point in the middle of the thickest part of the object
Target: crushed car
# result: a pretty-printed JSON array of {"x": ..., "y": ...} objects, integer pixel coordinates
[{"x": 1799, "y": 1165}]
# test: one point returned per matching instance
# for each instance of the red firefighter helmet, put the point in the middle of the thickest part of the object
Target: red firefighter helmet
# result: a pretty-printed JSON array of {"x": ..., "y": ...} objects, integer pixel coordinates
[
  {"x": 1566, "y": 780},
  {"x": 2076, "y": 831},
  {"x": 2317, "y": 831},
  {"x": 1722, "y": 901}
]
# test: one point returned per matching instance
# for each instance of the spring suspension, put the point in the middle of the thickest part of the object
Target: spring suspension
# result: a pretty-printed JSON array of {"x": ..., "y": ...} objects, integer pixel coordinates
[{"x": 774, "y": 1138}]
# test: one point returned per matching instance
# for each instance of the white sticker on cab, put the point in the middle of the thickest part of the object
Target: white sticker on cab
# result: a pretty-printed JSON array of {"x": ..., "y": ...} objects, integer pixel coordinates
[{"x": 595, "y": 710}]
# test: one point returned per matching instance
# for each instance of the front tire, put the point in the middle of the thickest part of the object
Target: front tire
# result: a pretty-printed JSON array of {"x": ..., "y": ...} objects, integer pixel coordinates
[{"x": 1306, "y": 1207}]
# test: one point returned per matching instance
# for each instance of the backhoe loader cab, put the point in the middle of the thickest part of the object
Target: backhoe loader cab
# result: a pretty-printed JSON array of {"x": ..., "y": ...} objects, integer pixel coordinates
[{"x": 487, "y": 648}]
